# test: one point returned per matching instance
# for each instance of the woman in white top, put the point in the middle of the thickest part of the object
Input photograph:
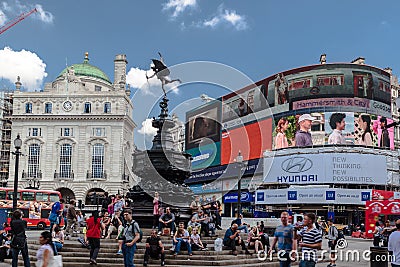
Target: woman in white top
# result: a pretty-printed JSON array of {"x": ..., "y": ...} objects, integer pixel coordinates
[
  {"x": 280, "y": 139},
  {"x": 45, "y": 254},
  {"x": 364, "y": 120}
]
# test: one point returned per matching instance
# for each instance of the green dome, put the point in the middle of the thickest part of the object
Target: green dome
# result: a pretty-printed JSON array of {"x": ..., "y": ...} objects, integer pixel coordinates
[{"x": 85, "y": 69}]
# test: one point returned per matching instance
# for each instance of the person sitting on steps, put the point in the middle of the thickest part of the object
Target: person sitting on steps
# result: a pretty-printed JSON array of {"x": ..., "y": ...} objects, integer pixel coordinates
[
  {"x": 232, "y": 238},
  {"x": 167, "y": 220},
  {"x": 154, "y": 248}
]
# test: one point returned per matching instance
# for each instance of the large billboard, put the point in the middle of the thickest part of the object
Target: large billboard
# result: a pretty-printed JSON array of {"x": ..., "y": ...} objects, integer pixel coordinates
[
  {"x": 244, "y": 103},
  {"x": 205, "y": 156},
  {"x": 203, "y": 124},
  {"x": 327, "y": 168},
  {"x": 251, "y": 140}
]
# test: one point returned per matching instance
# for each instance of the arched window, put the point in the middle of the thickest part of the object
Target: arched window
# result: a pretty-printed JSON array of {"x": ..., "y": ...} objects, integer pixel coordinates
[
  {"x": 65, "y": 161},
  {"x": 98, "y": 161},
  {"x": 33, "y": 161}
]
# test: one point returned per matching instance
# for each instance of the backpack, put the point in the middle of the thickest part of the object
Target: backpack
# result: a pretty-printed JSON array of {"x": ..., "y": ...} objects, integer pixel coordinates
[
  {"x": 140, "y": 231},
  {"x": 340, "y": 235}
]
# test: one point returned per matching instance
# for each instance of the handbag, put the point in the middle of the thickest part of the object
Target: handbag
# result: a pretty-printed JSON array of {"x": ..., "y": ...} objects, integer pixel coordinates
[{"x": 56, "y": 261}]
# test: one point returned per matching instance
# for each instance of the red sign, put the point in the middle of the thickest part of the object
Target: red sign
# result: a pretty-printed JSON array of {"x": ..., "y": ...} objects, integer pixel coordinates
[{"x": 251, "y": 140}]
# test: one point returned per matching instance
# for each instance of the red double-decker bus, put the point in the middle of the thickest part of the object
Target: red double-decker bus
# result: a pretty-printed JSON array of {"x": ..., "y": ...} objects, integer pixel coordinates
[{"x": 34, "y": 204}]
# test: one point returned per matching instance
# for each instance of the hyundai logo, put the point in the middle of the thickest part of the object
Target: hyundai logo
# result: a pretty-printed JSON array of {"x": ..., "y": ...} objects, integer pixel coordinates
[{"x": 297, "y": 164}]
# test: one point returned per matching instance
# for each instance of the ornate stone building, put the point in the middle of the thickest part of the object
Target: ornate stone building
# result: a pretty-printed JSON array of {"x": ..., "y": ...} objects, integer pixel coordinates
[{"x": 77, "y": 133}]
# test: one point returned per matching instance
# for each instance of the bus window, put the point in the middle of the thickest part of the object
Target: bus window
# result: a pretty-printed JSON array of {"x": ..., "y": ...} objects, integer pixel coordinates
[
  {"x": 11, "y": 194},
  {"x": 25, "y": 213},
  {"x": 28, "y": 196},
  {"x": 40, "y": 196},
  {"x": 54, "y": 198},
  {"x": 2, "y": 195}
]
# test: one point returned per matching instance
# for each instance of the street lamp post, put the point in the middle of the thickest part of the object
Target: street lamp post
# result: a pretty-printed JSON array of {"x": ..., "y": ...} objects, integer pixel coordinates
[
  {"x": 239, "y": 161},
  {"x": 17, "y": 153}
]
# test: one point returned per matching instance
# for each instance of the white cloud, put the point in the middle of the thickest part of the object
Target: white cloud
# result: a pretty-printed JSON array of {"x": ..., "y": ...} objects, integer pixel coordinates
[
  {"x": 136, "y": 78},
  {"x": 179, "y": 6},
  {"x": 3, "y": 18},
  {"x": 14, "y": 9},
  {"x": 25, "y": 64},
  {"x": 43, "y": 15},
  {"x": 238, "y": 21},
  {"x": 147, "y": 128},
  {"x": 5, "y": 6},
  {"x": 212, "y": 22},
  {"x": 227, "y": 17}
]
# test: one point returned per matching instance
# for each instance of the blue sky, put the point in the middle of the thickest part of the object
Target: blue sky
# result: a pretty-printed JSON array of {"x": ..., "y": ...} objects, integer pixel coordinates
[{"x": 258, "y": 38}]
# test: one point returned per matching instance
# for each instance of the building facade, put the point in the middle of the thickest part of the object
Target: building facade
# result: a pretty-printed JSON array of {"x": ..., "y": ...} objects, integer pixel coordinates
[
  {"x": 6, "y": 100},
  {"x": 77, "y": 133},
  {"x": 244, "y": 122}
]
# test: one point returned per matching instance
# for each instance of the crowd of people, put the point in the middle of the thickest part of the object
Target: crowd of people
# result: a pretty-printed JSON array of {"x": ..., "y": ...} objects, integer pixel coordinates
[{"x": 304, "y": 235}]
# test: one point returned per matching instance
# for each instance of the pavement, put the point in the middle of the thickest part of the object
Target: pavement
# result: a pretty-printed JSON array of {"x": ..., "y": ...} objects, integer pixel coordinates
[{"x": 347, "y": 256}]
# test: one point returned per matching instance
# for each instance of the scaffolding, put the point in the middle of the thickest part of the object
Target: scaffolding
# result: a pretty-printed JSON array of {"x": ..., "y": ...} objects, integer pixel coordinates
[{"x": 6, "y": 101}]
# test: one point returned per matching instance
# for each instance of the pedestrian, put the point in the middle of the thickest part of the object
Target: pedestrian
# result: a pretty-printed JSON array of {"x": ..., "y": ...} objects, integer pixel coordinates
[
  {"x": 19, "y": 243},
  {"x": 64, "y": 216},
  {"x": 311, "y": 241},
  {"x": 254, "y": 240},
  {"x": 203, "y": 219},
  {"x": 181, "y": 237},
  {"x": 232, "y": 239},
  {"x": 394, "y": 245},
  {"x": 5, "y": 249},
  {"x": 214, "y": 209},
  {"x": 377, "y": 233},
  {"x": 386, "y": 232},
  {"x": 71, "y": 219},
  {"x": 285, "y": 237},
  {"x": 333, "y": 235},
  {"x": 195, "y": 205},
  {"x": 131, "y": 235},
  {"x": 195, "y": 241},
  {"x": 119, "y": 204},
  {"x": 156, "y": 209},
  {"x": 105, "y": 202},
  {"x": 303, "y": 136},
  {"x": 167, "y": 220},
  {"x": 58, "y": 238},
  {"x": 56, "y": 211},
  {"x": 154, "y": 248},
  {"x": 45, "y": 254},
  {"x": 93, "y": 234}
]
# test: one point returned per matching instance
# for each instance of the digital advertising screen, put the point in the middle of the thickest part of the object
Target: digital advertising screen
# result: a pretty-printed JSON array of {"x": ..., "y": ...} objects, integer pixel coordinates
[
  {"x": 203, "y": 124},
  {"x": 243, "y": 103},
  {"x": 251, "y": 140}
]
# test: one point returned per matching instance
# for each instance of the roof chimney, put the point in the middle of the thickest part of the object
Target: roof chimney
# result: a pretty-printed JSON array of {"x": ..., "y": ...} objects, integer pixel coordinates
[
  {"x": 359, "y": 60},
  {"x": 322, "y": 59}
]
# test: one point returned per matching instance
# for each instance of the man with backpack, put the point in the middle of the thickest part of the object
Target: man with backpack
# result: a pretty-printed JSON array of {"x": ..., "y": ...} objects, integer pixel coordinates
[
  {"x": 333, "y": 236},
  {"x": 131, "y": 235},
  {"x": 56, "y": 210}
]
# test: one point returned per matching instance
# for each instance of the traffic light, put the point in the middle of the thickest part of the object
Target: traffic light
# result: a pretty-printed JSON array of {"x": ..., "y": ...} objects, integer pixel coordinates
[{"x": 80, "y": 204}]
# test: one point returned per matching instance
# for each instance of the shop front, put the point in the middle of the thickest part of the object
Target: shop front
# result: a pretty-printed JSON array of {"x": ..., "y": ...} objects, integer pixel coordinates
[{"x": 230, "y": 201}]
